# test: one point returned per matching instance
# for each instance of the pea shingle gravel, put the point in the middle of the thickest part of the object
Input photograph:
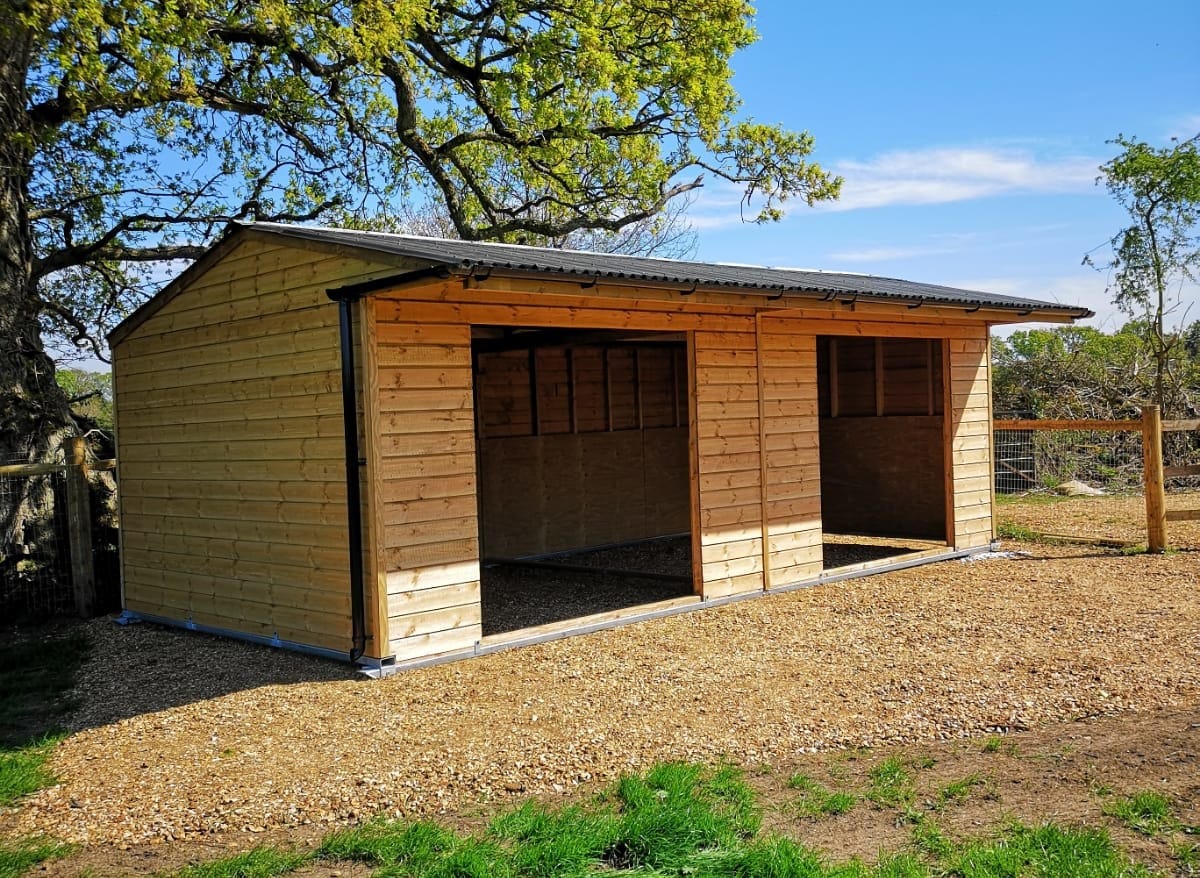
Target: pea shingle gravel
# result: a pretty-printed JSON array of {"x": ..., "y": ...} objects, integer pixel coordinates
[{"x": 181, "y": 734}]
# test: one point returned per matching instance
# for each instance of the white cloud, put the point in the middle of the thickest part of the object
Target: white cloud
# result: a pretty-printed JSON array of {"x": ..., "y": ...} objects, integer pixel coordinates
[
  {"x": 938, "y": 176},
  {"x": 1184, "y": 127}
]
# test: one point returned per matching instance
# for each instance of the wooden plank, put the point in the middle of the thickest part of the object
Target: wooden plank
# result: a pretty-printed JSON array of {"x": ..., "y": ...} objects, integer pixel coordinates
[
  {"x": 406, "y": 603},
  {"x": 305, "y": 341},
  {"x": 426, "y": 645},
  {"x": 464, "y": 616},
  {"x": 1083, "y": 424},
  {"x": 1181, "y": 426},
  {"x": 1152, "y": 460},
  {"x": 1183, "y": 515}
]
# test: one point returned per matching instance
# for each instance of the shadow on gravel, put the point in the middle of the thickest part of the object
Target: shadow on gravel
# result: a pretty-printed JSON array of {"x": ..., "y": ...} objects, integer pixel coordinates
[{"x": 145, "y": 668}]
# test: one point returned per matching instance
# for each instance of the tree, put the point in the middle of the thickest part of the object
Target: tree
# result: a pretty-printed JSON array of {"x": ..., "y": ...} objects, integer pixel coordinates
[
  {"x": 1160, "y": 250},
  {"x": 667, "y": 234},
  {"x": 131, "y": 131}
]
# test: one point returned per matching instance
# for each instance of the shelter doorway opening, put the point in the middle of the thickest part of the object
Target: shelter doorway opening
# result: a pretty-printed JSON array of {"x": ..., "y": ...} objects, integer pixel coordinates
[
  {"x": 881, "y": 404},
  {"x": 583, "y": 477}
]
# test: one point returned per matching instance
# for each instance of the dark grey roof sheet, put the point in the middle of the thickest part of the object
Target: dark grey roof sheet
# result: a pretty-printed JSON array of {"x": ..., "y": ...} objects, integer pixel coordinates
[{"x": 512, "y": 258}]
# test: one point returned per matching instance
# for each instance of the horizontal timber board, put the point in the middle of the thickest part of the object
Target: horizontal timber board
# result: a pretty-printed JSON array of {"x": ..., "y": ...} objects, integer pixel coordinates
[
  {"x": 293, "y": 343},
  {"x": 725, "y": 587},
  {"x": 420, "y": 533},
  {"x": 403, "y": 379},
  {"x": 411, "y": 355},
  {"x": 290, "y": 554},
  {"x": 246, "y": 328},
  {"x": 421, "y": 556},
  {"x": 422, "y": 578},
  {"x": 276, "y": 365},
  {"x": 316, "y": 405},
  {"x": 577, "y": 317},
  {"x": 268, "y": 571},
  {"x": 297, "y": 470},
  {"x": 291, "y": 512},
  {"x": 424, "y": 600},
  {"x": 432, "y": 621},
  {"x": 329, "y": 535},
  {"x": 284, "y": 449},
  {"x": 196, "y": 584},
  {"x": 196, "y": 432},
  {"x": 426, "y": 645},
  {"x": 280, "y": 387}
]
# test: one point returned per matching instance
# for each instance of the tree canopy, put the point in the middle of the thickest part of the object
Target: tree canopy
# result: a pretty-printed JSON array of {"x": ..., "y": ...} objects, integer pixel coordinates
[
  {"x": 145, "y": 125},
  {"x": 1159, "y": 251}
]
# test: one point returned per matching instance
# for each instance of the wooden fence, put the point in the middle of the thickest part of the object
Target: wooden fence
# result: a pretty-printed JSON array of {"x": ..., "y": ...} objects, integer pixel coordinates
[
  {"x": 76, "y": 470},
  {"x": 1155, "y": 474}
]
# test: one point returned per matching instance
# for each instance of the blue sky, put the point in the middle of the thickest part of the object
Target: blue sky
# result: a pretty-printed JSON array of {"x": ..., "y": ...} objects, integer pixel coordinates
[{"x": 969, "y": 136}]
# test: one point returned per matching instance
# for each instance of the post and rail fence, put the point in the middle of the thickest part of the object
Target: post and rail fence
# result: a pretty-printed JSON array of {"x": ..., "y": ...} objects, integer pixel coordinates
[
  {"x": 68, "y": 484},
  {"x": 1150, "y": 428},
  {"x": 1016, "y": 460}
]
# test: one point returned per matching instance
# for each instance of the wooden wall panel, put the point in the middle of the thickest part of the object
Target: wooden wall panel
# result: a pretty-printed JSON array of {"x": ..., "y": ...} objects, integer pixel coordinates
[
  {"x": 230, "y": 447},
  {"x": 884, "y": 476},
  {"x": 543, "y": 494},
  {"x": 727, "y": 461},
  {"x": 426, "y": 465},
  {"x": 791, "y": 462},
  {"x": 969, "y": 436}
]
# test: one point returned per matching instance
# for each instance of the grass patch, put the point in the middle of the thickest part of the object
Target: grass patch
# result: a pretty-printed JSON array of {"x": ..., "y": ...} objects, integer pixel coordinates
[
  {"x": 959, "y": 790},
  {"x": 1147, "y": 812},
  {"x": 35, "y": 674},
  {"x": 23, "y": 769},
  {"x": 1010, "y": 530},
  {"x": 258, "y": 863},
  {"x": 891, "y": 784},
  {"x": 1187, "y": 857},
  {"x": 1048, "y": 851},
  {"x": 389, "y": 843},
  {"x": 19, "y": 857},
  {"x": 816, "y": 800}
]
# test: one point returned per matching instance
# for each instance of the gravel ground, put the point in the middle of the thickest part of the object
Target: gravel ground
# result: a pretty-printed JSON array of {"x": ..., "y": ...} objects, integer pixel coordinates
[{"x": 181, "y": 735}]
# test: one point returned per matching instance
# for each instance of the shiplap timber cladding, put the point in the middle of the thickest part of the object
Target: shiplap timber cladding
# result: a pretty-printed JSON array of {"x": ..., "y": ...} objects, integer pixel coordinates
[
  {"x": 233, "y": 498},
  {"x": 791, "y": 461},
  {"x": 727, "y": 462},
  {"x": 424, "y": 459},
  {"x": 573, "y": 457},
  {"x": 683, "y": 406},
  {"x": 969, "y": 437}
]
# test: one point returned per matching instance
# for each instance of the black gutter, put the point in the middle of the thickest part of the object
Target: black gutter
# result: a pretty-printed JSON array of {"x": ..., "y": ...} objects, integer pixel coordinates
[
  {"x": 345, "y": 297},
  {"x": 354, "y": 462}
]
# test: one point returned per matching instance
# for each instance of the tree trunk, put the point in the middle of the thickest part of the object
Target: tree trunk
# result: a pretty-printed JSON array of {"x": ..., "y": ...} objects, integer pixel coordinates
[{"x": 34, "y": 412}]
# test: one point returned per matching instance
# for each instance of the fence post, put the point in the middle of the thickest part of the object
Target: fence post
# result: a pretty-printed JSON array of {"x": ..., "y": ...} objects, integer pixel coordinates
[
  {"x": 79, "y": 526},
  {"x": 1156, "y": 500}
]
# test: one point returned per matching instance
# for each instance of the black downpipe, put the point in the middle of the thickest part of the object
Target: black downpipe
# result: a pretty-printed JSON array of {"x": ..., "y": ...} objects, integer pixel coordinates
[{"x": 353, "y": 491}]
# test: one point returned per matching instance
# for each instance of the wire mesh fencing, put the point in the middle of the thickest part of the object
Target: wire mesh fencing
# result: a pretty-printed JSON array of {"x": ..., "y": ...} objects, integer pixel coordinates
[
  {"x": 1046, "y": 460},
  {"x": 35, "y": 566}
]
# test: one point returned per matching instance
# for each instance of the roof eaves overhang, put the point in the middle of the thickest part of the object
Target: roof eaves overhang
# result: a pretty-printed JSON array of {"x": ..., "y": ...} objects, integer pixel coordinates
[{"x": 988, "y": 311}]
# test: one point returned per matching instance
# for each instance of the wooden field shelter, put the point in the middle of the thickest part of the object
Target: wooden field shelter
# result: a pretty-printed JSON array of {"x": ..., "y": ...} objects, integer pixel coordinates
[{"x": 327, "y": 437}]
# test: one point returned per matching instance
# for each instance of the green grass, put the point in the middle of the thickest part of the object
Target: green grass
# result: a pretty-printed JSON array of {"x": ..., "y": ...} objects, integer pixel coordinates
[
  {"x": 1147, "y": 812},
  {"x": 816, "y": 800},
  {"x": 1048, "y": 851},
  {"x": 1010, "y": 530},
  {"x": 35, "y": 675},
  {"x": 891, "y": 784},
  {"x": 1187, "y": 857},
  {"x": 993, "y": 744},
  {"x": 258, "y": 863},
  {"x": 959, "y": 790},
  {"x": 16, "y": 858}
]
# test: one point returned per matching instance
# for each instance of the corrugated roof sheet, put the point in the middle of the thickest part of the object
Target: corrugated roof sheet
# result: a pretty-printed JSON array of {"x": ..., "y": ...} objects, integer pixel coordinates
[{"x": 473, "y": 256}]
